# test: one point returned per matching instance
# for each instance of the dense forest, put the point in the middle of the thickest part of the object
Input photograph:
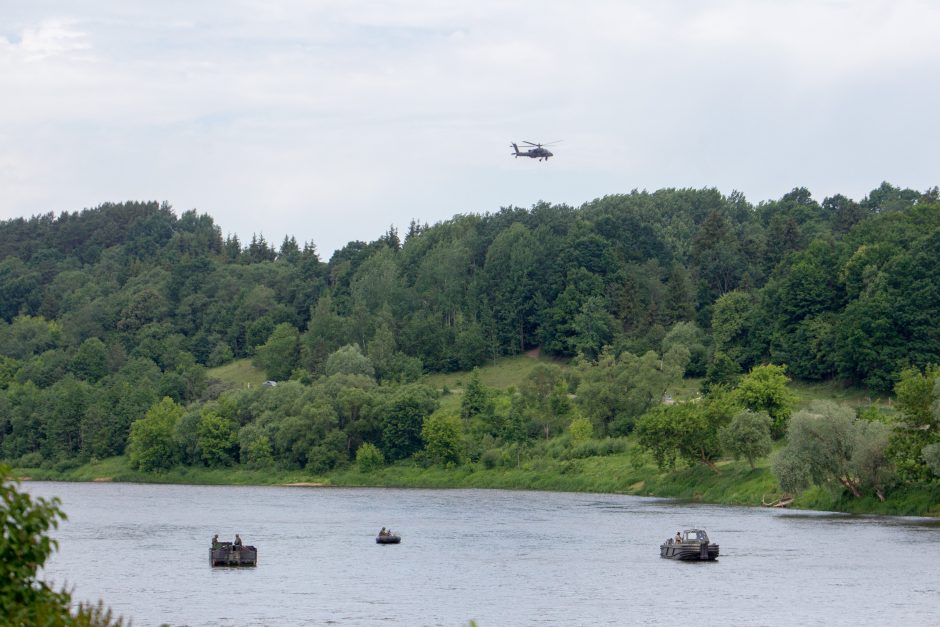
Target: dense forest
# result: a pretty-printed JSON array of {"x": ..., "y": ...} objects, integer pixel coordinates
[{"x": 111, "y": 317}]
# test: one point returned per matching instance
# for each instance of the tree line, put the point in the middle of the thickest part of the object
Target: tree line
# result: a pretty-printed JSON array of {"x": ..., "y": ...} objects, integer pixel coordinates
[{"x": 110, "y": 318}]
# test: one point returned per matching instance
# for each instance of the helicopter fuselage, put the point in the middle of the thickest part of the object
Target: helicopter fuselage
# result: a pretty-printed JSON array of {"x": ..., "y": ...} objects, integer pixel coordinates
[{"x": 534, "y": 153}]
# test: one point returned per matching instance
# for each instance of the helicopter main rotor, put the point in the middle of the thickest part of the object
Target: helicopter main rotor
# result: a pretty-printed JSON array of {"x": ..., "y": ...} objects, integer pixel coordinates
[{"x": 538, "y": 145}]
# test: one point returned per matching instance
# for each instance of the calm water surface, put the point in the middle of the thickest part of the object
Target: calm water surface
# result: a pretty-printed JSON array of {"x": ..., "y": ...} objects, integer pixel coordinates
[{"x": 501, "y": 558}]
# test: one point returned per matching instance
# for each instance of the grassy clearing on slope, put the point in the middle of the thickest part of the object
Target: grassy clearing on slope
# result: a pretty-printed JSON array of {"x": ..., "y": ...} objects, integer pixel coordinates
[
  {"x": 512, "y": 372},
  {"x": 509, "y": 372},
  {"x": 838, "y": 392},
  {"x": 501, "y": 374},
  {"x": 239, "y": 373},
  {"x": 685, "y": 389}
]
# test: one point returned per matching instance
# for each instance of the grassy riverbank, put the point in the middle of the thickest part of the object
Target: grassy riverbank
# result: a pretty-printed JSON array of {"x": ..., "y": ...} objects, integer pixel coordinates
[
  {"x": 736, "y": 484},
  {"x": 627, "y": 472}
]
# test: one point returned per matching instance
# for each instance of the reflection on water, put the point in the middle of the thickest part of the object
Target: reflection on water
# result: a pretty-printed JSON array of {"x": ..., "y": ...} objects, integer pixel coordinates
[{"x": 500, "y": 557}]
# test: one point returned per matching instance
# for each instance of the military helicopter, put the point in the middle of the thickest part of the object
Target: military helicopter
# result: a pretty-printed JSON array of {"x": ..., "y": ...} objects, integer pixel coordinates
[{"x": 536, "y": 152}]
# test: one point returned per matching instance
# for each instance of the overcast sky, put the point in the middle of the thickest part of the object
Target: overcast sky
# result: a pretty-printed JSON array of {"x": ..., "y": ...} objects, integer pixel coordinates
[{"x": 331, "y": 120}]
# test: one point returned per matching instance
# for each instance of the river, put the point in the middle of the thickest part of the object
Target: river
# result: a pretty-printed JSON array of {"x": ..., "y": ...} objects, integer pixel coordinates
[{"x": 497, "y": 557}]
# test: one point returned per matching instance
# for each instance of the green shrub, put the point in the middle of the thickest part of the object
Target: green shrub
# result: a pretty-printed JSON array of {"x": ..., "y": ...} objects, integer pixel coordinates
[
  {"x": 581, "y": 430},
  {"x": 330, "y": 453},
  {"x": 322, "y": 459},
  {"x": 571, "y": 467},
  {"x": 67, "y": 464},
  {"x": 597, "y": 448},
  {"x": 493, "y": 458},
  {"x": 30, "y": 460},
  {"x": 257, "y": 453},
  {"x": 369, "y": 458}
]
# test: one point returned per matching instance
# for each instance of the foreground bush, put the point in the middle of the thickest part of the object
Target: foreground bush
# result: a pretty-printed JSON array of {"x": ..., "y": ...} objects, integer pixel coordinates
[{"x": 24, "y": 548}]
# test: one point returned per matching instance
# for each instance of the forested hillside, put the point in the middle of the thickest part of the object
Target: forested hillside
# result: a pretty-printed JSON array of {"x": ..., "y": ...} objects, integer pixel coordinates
[{"x": 115, "y": 313}]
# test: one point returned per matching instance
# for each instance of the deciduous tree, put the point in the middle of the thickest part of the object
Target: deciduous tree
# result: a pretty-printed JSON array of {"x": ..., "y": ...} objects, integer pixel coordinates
[
  {"x": 827, "y": 446},
  {"x": 476, "y": 399},
  {"x": 764, "y": 388},
  {"x": 151, "y": 445},
  {"x": 402, "y": 419},
  {"x": 349, "y": 360},
  {"x": 443, "y": 434},
  {"x": 218, "y": 439},
  {"x": 747, "y": 436},
  {"x": 686, "y": 431},
  {"x": 280, "y": 354},
  {"x": 918, "y": 422}
]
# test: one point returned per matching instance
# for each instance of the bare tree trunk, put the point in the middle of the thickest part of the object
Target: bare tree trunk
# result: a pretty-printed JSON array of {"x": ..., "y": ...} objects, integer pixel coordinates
[
  {"x": 709, "y": 462},
  {"x": 848, "y": 483}
]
